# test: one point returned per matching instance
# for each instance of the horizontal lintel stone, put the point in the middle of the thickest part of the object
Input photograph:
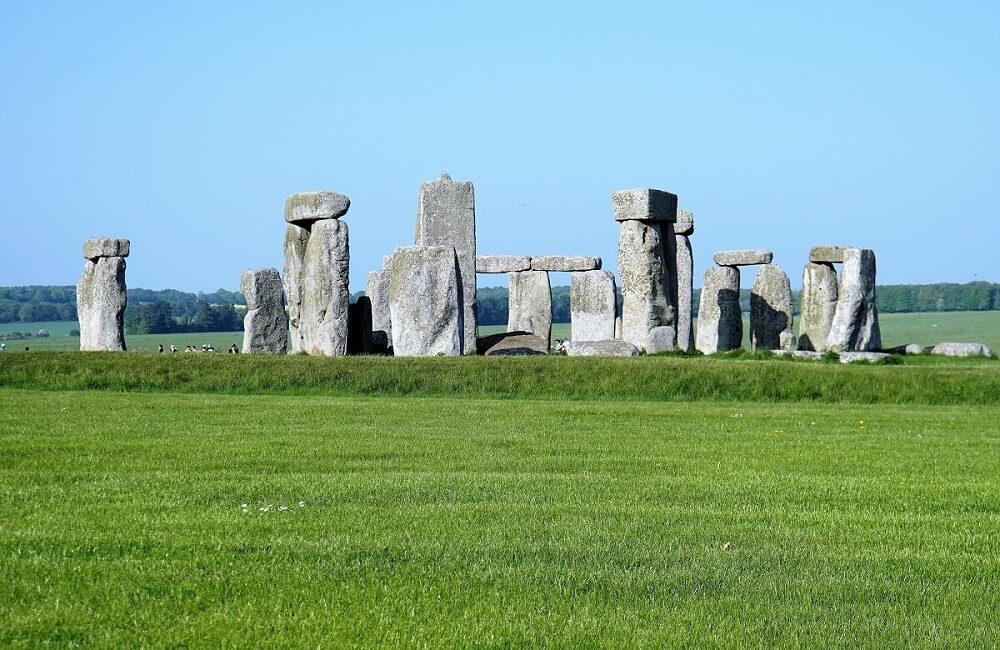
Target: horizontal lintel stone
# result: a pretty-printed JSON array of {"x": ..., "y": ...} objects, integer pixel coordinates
[
  {"x": 743, "y": 257},
  {"x": 502, "y": 263},
  {"x": 313, "y": 206},
  {"x": 684, "y": 224},
  {"x": 827, "y": 254},
  {"x": 564, "y": 263},
  {"x": 644, "y": 205},
  {"x": 105, "y": 247}
]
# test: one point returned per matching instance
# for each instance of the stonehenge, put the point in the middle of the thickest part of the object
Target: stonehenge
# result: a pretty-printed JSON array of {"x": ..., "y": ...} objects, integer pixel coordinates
[
  {"x": 771, "y": 310},
  {"x": 265, "y": 328},
  {"x": 101, "y": 294},
  {"x": 317, "y": 257},
  {"x": 424, "y": 302},
  {"x": 855, "y": 321},
  {"x": 593, "y": 305},
  {"x": 529, "y": 303}
]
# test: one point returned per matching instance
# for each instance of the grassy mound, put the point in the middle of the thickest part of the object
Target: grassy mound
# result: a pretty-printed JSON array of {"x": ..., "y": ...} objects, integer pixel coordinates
[{"x": 644, "y": 378}]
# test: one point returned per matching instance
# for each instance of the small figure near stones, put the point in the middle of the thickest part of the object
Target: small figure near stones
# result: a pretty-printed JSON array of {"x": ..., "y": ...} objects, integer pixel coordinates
[
  {"x": 159, "y": 348},
  {"x": 233, "y": 349}
]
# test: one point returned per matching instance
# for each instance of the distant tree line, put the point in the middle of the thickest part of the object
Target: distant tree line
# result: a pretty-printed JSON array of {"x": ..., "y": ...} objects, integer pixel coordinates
[{"x": 169, "y": 310}]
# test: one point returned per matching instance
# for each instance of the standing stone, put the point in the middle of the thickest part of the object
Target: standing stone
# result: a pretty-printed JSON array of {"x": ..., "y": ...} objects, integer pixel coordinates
[
  {"x": 296, "y": 240},
  {"x": 644, "y": 273},
  {"x": 529, "y": 303},
  {"x": 446, "y": 216},
  {"x": 101, "y": 295},
  {"x": 377, "y": 290},
  {"x": 592, "y": 305},
  {"x": 855, "y": 321},
  {"x": 325, "y": 296},
  {"x": 424, "y": 302},
  {"x": 771, "y": 310},
  {"x": 684, "y": 293},
  {"x": 265, "y": 328},
  {"x": 819, "y": 302},
  {"x": 720, "y": 319}
]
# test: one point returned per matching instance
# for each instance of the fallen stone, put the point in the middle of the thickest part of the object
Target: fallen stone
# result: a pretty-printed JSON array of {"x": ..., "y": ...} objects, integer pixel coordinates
[
  {"x": 720, "y": 318},
  {"x": 265, "y": 327},
  {"x": 609, "y": 348},
  {"x": 502, "y": 263},
  {"x": 564, "y": 263},
  {"x": 818, "y": 305},
  {"x": 962, "y": 350},
  {"x": 379, "y": 339},
  {"x": 909, "y": 348},
  {"x": 593, "y": 304},
  {"x": 529, "y": 303},
  {"x": 296, "y": 241},
  {"x": 851, "y": 357},
  {"x": 855, "y": 321},
  {"x": 100, "y": 304},
  {"x": 798, "y": 354},
  {"x": 306, "y": 207},
  {"x": 771, "y": 310},
  {"x": 446, "y": 216},
  {"x": 743, "y": 257},
  {"x": 325, "y": 294},
  {"x": 644, "y": 273},
  {"x": 684, "y": 224},
  {"x": 644, "y": 205},
  {"x": 424, "y": 302},
  {"x": 683, "y": 304},
  {"x": 105, "y": 247},
  {"x": 827, "y": 254},
  {"x": 512, "y": 344}
]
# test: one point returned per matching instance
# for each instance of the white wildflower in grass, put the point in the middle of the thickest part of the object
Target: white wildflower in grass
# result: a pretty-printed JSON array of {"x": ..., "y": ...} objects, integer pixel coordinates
[
  {"x": 302, "y": 504},
  {"x": 282, "y": 508}
]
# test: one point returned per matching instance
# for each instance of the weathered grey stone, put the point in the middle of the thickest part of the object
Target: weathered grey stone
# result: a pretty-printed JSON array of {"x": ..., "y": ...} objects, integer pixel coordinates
[
  {"x": 743, "y": 257},
  {"x": 819, "y": 303},
  {"x": 644, "y": 273},
  {"x": 684, "y": 224},
  {"x": 827, "y": 254},
  {"x": 909, "y": 349},
  {"x": 798, "y": 354},
  {"x": 105, "y": 247},
  {"x": 683, "y": 273},
  {"x": 608, "y": 348},
  {"x": 307, "y": 207},
  {"x": 502, "y": 263},
  {"x": 593, "y": 304},
  {"x": 512, "y": 344},
  {"x": 855, "y": 321},
  {"x": 100, "y": 304},
  {"x": 618, "y": 327},
  {"x": 662, "y": 339},
  {"x": 296, "y": 240},
  {"x": 962, "y": 350},
  {"x": 446, "y": 216},
  {"x": 644, "y": 205},
  {"x": 771, "y": 310},
  {"x": 720, "y": 319},
  {"x": 851, "y": 357},
  {"x": 265, "y": 327},
  {"x": 379, "y": 340},
  {"x": 529, "y": 303},
  {"x": 564, "y": 263},
  {"x": 385, "y": 261},
  {"x": 424, "y": 302},
  {"x": 325, "y": 296}
]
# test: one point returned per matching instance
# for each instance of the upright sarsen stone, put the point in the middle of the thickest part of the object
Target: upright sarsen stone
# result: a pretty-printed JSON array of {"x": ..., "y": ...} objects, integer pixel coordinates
[
  {"x": 296, "y": 240},
  {"x": 819, "y": 302},
  {"x": 379, "y": 341},
  {"x": 529, "y": 303},
  {"x": 855, "y": 322},
  {"x": 593, "y": 305},
  {"x": 100, "y": 304},
  {"x": 265, "y": 328},
  {"x": 684, "y": 292},
  {"x": 446, "y": 216},
  {"x": 325, "y": 294},
  {"x": 424, "y": 302},
  {"x": 644, "y": 273},
  {"x": 720, "y": 319},
  {"x": 771, "y": 310}
]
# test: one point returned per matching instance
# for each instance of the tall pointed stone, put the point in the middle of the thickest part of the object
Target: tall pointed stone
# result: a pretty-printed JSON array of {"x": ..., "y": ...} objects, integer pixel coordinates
[
  {"x": 265, "y": 327},
  {"x": 529, "y": 303},
  {"x": 684, "y": 296},
  {"x": 771, "y": 310},
  {"x": 593, "y": 305},
  {"x": 818, "y": 305},
  {"x": 101, "y": 295},
  {"x": 720, "y": 318},
  {"x": 855, "y": 322},
  {"x": 424, "y": 302},
  {"x": 446, "y": 216}
]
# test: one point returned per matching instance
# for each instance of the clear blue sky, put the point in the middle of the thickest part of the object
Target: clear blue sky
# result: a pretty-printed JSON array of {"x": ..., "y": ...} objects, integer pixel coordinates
[{"x": 183, "y": 126}]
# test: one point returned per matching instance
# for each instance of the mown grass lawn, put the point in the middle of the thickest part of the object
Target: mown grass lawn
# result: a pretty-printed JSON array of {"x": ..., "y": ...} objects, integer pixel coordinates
[{"x": 442, "y": 521}]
